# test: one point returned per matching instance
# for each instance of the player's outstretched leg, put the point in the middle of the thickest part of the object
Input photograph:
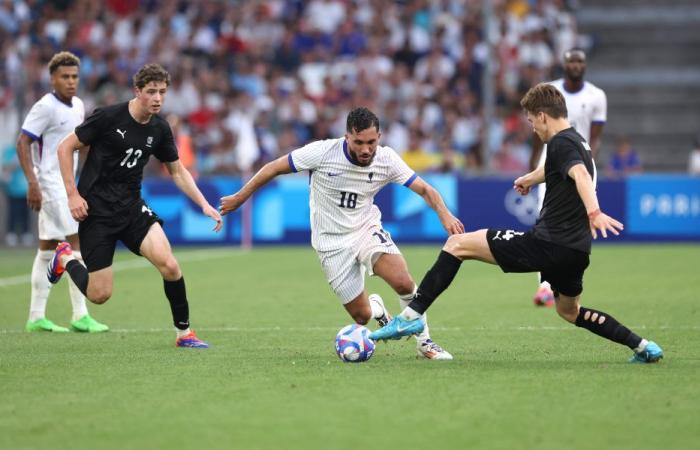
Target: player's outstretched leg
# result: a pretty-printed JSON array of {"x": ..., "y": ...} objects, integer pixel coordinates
[
  {"x": 82, "y": 321},
  {"x": 604, "y": 325}
]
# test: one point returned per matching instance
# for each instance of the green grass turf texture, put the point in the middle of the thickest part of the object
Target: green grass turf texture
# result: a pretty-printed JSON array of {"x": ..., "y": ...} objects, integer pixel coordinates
[{"x": 521, "y": 378}]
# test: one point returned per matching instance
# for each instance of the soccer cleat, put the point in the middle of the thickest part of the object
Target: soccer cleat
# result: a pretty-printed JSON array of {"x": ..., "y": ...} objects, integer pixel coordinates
[
  {"x": 430, "y": 350},
  {"x": 44, "y": 325},
  {"x": 397, "y": 328},
  {"x": 382, "y": 321},
  {"x": 56, "y": 269},
  {"x": 87, "y": 324},
  {"x": 652, "y": 353},
  {"x": 544, "y": 297},
  {"x": 190, "y": 340}
]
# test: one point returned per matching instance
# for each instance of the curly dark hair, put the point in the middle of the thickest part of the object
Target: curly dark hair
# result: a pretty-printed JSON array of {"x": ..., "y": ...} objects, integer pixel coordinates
[
  {"x": 361, "y": 119},
  {"x": 63, "y": 59},
  {"x": 149, "y": 73}
]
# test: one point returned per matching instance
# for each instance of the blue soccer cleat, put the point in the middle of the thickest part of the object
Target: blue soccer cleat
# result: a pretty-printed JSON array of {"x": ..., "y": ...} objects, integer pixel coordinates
[
  {"x": 652, "y": 353},
  {"x": 190, "y": 340},
  {"x": 397, "y": 328}
]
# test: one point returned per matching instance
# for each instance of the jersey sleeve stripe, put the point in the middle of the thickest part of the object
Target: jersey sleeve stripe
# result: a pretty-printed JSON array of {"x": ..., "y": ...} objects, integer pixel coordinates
[
  {"x": 30, "y": 134},
  {"x": 411, "y": 180},
  {"x": 291, "y": 162},
  {"x": 598, "y": 122}
]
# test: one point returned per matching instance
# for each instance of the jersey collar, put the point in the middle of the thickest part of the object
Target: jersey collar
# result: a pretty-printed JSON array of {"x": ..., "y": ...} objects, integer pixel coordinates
[
  {"x": 70, "y": 105},
  {"x": 347, "y": 154}
]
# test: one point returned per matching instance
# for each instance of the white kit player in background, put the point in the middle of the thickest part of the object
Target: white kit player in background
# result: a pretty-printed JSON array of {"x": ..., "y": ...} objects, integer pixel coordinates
[
  {"x": 346, "y": 229},
  {"x": 587, "y": 106},
  {"x": 52, "y": 118}
]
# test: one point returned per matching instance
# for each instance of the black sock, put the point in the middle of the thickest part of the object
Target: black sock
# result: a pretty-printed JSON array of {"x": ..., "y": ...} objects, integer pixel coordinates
[
  {"x": 435, "y": 281},
  {"x": 79, "y": 274},
  {"x": 606, "y": 326},
  {"x": 177, "y": 296}
]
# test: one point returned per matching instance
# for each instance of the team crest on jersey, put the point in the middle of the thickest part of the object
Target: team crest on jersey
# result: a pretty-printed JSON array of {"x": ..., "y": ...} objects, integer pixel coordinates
[
  {"x": 149, "y": 141},
  {"x": 370, "y": 176}
]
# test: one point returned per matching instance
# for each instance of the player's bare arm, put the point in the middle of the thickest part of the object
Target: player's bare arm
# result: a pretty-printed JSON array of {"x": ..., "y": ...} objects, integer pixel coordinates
[
  {"x": 433, "y": 198},
  {"x": 596, "y": 132},
  {"x": 524, "y": 183},
  {"x": 269, "y": 171},
  {"x": 537, "y": 147},
  {"x": 184, "y": 181},
  {"x": 77, "y": 204},
  {"x": 24, "y": 154},
  {"x": 597, "y": 219}
]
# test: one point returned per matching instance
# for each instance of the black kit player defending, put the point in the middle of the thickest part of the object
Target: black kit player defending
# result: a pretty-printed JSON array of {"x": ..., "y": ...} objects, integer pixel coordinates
[
  {"x": 559, "y": 244},
  {"x": 107, "y": 202}
]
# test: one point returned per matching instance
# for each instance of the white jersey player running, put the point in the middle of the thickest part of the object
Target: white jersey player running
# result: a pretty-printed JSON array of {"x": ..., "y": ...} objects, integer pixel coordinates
[
  {"x": 587, "y": 108},
  {"x": 346, "y": 227},
  {"x": 53, "y": 117}
]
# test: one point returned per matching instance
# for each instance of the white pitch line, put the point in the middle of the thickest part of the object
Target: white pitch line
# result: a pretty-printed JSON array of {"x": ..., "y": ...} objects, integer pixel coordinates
[
  {"x": 199, "y": 255},
  {"x": 332, "y": 329}
]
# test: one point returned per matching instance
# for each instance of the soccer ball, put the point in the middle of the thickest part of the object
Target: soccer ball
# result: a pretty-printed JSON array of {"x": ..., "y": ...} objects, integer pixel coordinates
[{"x": 352, "y": 344}]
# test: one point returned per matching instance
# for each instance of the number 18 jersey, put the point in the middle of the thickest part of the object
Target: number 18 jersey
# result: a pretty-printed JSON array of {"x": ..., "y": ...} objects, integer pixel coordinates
[{"x": 342, "y": 192}]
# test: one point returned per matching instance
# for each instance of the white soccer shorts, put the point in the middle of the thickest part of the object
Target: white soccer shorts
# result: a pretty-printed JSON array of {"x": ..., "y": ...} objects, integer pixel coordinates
[
  {"x": 345, "y": 268},
  {"x": 55, "y": 220}
]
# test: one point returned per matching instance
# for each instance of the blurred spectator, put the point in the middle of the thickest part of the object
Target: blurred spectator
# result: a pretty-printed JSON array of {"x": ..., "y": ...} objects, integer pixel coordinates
[
  {"x": 694, "y": 160},
  {"x": 302, "y": 64},
  {"x": 15, "y": 187},
  {"x": 625, "y": 160},
  {"x": 415, "y": 155}
]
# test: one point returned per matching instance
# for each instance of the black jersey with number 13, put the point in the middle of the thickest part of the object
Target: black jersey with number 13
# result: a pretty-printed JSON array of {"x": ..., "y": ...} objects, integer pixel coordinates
[
  {"x": 120, "y": 147},
  {"x": 563, "y": 219}
]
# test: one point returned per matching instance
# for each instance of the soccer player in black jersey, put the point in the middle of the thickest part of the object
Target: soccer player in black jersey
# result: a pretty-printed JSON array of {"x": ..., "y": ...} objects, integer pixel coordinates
[
  {"x": 107, "y": 201},
  {"x": 559, "y": 244}
]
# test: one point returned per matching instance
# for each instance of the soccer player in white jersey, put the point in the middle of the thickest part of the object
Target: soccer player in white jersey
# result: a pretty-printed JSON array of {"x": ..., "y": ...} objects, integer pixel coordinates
[
  {"x": 53, "y": 117},
  {"x": 346, "y": 227},
  {"x": 587, "y": 106}
]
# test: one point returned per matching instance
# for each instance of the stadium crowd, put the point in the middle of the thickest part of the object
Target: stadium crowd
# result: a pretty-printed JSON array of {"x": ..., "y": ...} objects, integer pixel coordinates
[{"x": 254, "y": 79}]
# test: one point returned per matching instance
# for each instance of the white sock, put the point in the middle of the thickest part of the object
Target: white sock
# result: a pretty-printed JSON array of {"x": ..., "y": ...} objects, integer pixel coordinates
[
  {"x": 404, "y": 300},
  {"x": 543, "y": 284},
  {"x": 181, "y": 333},
  {"x": 641, "y": 346},
  {"x": 40, "y": 285},
  {"x": 77, "y": 298},
  {"x": 377, "y": 310}
]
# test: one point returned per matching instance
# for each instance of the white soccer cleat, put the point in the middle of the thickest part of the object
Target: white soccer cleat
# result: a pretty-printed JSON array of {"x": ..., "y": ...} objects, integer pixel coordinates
[
  {"x": 386, "y": 318},
  {"x": 430, "y": 350}
]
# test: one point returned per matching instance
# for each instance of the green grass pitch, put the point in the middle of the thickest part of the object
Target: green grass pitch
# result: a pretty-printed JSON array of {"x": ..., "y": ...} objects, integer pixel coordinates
[{"x": 521, "y": 378}]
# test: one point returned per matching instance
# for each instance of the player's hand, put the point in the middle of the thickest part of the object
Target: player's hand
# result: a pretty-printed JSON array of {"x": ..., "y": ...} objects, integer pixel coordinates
[
  {"x": 600, "y": 221},
  {"x": 78, "y": 207},
  {"x": 209, "y": 210},
  {"x": 453, "y": 225},
  {"x": 34, "y": 196},
  {"x": 230, "y": 203},
  {"x": 522, "y": 185}
]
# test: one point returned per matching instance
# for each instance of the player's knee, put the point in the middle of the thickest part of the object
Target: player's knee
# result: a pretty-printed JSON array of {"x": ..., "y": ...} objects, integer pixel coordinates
[
  {"x": 170, "y": 269},
  {"x": 100, "y": 296},
  {"x": 362, "y": 316},
  {"x": 456, "y": 245},
  {"x": 405, "y": 286}
]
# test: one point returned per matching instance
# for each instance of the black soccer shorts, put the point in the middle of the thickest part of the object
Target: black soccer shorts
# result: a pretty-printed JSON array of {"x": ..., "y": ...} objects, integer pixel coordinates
[
  {"x": 520, "y": 252},
  {"x": 99, "y": 234}
]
